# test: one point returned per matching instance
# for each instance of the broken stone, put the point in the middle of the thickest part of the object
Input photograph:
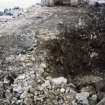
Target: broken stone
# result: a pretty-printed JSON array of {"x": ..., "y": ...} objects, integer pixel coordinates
[
  {"x": 93, "y": 99},
  {"x": 62, "y": 90},
  {"x": 46, "y": 84},
  {"x": 82, "y": 98},
  {"x": 59, "y": 81}
]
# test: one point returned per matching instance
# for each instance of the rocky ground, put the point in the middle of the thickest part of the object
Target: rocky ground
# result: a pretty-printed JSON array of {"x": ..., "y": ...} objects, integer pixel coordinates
[{"x": 35, "y": 66}]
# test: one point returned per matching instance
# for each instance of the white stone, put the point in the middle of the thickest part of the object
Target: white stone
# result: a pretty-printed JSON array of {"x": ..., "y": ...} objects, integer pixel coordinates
[
  {"x": 23, "y": 95},
  {"x": 73, "y": 91},
  {"x": 21, "y": 77},
  {"x": 94, "y": 97},
  {"x": 43, "y": 65},
  {"x": 62, "y": 90},
  {"x": 18, "y": 89},
  {"x": 6, "y": 81},
  {"x": 59, "y": 81},
  {"x": 81, "y": 23},
  {"x": 74, "y": 103},
  {"x": 93, "y": 54},
  {"x": 46, "y": 84}
]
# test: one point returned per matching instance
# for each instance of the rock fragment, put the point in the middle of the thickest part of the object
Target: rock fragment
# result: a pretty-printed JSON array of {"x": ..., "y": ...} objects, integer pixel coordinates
[{"x": 82, "y": 98}]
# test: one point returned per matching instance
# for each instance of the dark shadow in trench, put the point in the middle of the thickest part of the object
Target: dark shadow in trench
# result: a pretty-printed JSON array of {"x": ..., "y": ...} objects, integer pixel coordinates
[{"x": 78, "y": 51}]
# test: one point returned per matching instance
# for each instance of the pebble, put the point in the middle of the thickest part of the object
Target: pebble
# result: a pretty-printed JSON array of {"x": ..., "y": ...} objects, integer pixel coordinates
[{"x": 62, "y": 90}]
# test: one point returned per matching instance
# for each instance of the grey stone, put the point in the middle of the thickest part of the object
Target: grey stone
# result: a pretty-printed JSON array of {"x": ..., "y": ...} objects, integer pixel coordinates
[
  {"x": 102, "y": 102},
  {"x": 82, "y": 98},
  {"x": 93, "y": 99}
]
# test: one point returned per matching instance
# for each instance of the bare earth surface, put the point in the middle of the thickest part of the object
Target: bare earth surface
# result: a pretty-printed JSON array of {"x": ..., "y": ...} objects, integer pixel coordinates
[{"x": 25, "y": 75}]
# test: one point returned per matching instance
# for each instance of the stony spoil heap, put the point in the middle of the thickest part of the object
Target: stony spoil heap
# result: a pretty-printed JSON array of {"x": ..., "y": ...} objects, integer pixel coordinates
[{"x": 53, "y": 56}]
